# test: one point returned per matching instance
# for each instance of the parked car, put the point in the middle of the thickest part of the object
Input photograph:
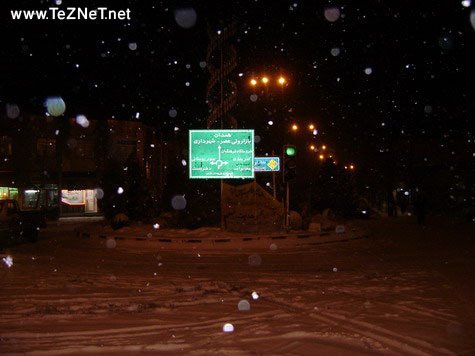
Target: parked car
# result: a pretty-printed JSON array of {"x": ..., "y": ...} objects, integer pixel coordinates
[{"x": 17, "y": 225}]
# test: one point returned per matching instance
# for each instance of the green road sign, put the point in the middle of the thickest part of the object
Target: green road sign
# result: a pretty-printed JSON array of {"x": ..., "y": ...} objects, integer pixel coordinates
[{"x": 221, "y": 153}]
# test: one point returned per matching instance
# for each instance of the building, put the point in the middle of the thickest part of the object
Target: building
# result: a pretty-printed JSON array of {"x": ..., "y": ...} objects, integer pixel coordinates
[{"x": 59, "y": 164}]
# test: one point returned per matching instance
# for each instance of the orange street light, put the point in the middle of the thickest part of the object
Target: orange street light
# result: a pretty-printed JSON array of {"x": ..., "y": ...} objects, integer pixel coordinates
[
  {"x": 295, "y": 127},
  {"x": 352, "y": 167},
  {"x": 311, "y": 127},
  {"x": 324, "y": 147},
  {"x": 312, "y": 147},
  {"x": 253, "y": 82},
  {"x": 265, "y": 80},
  {"x": 281, "y": 80},
  {"x": 321, "y": 157}
]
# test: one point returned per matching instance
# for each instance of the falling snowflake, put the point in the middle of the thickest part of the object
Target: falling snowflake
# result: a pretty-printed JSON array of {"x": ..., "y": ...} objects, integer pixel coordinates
[
  {"x": 55, "y": 106},
  {"x": 8, "y": 260},
  {"x": 172, "y": 113},
  {"x": 244, "y": 305},
  {"x": 254, "y": 260},
  {"x": 228, "y": 328},
  {"x": 99, "y": 193},
  {"x": 13, "y": 111},
  {"x": 111, "y": 243},
  {"x": 335, "y": 52},
  {"x": 81, "y": 120},
  {"x": 178, "y": 202},
  {"x": 332, "y": 14},
  {"x": 186, "y": 17}
]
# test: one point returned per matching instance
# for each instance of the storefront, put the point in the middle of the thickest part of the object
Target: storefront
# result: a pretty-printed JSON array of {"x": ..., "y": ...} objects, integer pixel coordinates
[
  {"x": 79, "y": 202},
  {"x": 45, "y": 198},
  {"x": 8, "y": 193}
]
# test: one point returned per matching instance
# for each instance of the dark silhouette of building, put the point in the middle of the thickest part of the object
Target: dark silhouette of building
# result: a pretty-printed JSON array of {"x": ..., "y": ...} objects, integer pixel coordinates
[{"x": 59, "y": 164}]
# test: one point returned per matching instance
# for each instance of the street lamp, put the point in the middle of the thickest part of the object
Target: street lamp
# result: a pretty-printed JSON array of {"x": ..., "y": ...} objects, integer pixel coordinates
[
  {"x": 321, "y": 157},
  {"x": 324, "y": 147},
  {"x": 253, "y": 82},
  {"x": 312, "y": 147},
  {"x": 311, "y": 127},
  {"x": 265, "y": 80},
  {"x": 281, "y": 80},
  {"x": 295, "y": 127}
]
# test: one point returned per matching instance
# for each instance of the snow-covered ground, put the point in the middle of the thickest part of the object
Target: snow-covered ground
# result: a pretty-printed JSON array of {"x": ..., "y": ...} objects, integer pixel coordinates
[{"x": 404, "y": 290}]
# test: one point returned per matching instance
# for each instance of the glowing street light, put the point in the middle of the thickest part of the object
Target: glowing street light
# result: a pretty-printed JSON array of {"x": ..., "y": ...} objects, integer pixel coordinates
[
  {"x": 311, "y": 127},
  {"x": 312, "y": 147},
  {"x": 253, "y": 82},
  {"x": 324, "y": 147},
  {"x": 265, "y": 80},
  {"x": 295, "y": 127},
  {"x": 321, "y": 157},
  {"x": 352, "y": 167},
  {"x": 281, "y": 80}
]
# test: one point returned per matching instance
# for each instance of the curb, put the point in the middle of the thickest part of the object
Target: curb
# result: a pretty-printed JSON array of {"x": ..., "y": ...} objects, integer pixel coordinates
[{"x": 306, "y": 238}]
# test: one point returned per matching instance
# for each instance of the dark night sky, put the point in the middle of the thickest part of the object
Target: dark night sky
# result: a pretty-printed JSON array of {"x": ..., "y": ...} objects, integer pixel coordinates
[{"x": 402, "y": 67}]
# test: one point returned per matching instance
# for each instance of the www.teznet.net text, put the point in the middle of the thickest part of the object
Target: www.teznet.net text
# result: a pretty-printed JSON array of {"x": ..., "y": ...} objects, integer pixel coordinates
[{"x": 71, "y": 14}]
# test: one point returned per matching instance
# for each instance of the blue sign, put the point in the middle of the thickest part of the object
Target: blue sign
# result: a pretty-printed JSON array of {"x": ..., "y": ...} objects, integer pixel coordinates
[{"x": 266, "y": 164}]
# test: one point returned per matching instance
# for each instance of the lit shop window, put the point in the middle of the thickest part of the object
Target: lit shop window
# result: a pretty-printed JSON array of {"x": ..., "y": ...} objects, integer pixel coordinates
[
  {"x": 86, "y": 199},
  {"x": 8, "y": 193},
  {"x": 32, "y": 198},
  {"x": 73, "y": 197}
]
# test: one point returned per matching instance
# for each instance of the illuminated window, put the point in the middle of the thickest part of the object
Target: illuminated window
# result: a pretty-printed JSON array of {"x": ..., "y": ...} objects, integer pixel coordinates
[
  {"x": 8, "y": 193},
  {"x": 32, "y": 198}
]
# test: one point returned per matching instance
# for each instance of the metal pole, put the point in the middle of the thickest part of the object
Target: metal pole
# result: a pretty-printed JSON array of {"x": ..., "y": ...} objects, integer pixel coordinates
[
  {"x": 273, "y": 186},
  {"x": 221, "y": 105},
  {"x": 273, "y": 181},
  {"x": 287, "y": 206}
]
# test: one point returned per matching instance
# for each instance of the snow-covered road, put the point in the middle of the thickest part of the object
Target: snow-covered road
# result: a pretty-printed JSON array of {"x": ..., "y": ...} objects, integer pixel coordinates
[{"x": 403, "y": 291}]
